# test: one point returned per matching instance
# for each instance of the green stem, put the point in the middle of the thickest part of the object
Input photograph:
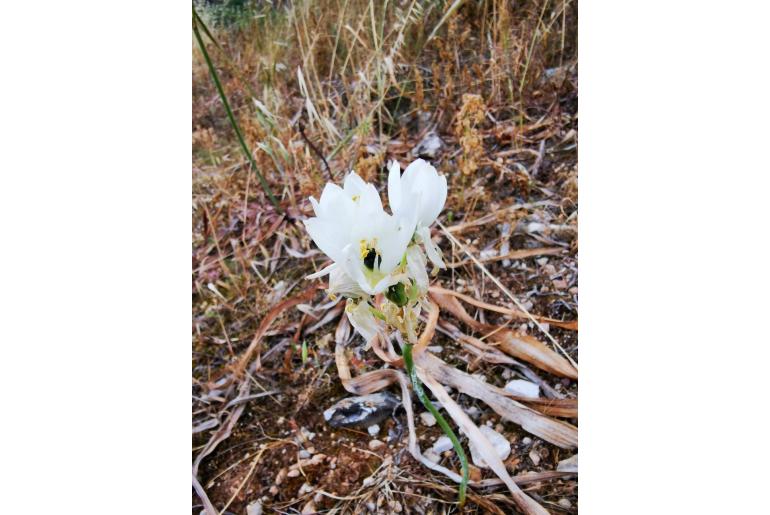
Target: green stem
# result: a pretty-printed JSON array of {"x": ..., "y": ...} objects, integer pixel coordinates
[
  {"x": 234, "y": 124},
  {"x": 417, "y": 386}
]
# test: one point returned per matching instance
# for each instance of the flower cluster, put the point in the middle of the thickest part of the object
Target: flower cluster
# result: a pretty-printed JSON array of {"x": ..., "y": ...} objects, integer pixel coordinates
[{"x": 374, "y": 252}]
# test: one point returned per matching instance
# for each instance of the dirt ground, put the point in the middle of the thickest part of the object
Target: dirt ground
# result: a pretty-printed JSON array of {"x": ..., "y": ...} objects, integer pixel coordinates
[{"x": 512, "y": 190}]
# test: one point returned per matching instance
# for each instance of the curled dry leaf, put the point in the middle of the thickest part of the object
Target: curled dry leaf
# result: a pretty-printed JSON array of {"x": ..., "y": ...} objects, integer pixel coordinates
[
  {"x": 524, "y": 347},
  {"x": 554, "y": 431}
]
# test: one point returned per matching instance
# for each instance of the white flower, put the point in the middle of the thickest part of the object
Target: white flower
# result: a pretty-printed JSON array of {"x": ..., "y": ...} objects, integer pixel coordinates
[
  {"x": 423, "y": 187},
  {"x": 365, "y": 242}
]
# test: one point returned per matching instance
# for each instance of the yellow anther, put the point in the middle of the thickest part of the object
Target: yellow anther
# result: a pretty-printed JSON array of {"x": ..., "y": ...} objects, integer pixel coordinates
[
  {"x": 363, "y": 248},
  {"x": 356, "y": 197}
]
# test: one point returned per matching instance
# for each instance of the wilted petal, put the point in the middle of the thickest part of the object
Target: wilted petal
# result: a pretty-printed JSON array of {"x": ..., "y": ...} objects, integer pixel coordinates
[
  {"x": 362, "y": 319},
  {"x": 416, "y": 267},
  {"x": 342, "y": 284}
]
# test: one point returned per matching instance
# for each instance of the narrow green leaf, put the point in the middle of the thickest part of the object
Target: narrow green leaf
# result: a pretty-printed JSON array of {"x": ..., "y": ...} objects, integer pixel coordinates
[{"x": 223, "y": 97}]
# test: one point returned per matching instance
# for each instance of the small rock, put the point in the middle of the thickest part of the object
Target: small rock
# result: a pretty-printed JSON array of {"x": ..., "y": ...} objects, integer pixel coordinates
[
  {"x": 564, "y": 503},
  {"x": 361, "y": 411},
  {"x": 535, "y": 457},
  {"x": 568, "y": 465},
  {"x": 303, "y": 454},
  {"x": 254, "y": 508},
  {"x": 473, "y": 412},
  {"x": 429, "y": 146},
  {"x": 281, "y": 476},
  {"x": 293, "y": 473},
  {"x": 501, "y": 446},
  {"x": 376, "y": 444},
  {"x": 442, "y": 444},
  {"x": 374, "y": 429},
  {"x": 395, "y": 506},
  {"x": 523, "y": 388},
  {"x": 507, "y": 374},
  {"x": 304, "y": 489},
  {"x": 526, "y": 440},
  {"x": 371, "y": 506},
  {"x": 273, "y": 490},
  {"x": 428, "y": 419},
  {"x": 311, "y": 450}
]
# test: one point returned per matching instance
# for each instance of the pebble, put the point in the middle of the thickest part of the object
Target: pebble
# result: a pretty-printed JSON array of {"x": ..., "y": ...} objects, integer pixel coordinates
[
  {"x": 442, "y": 444},
  {"x": 281, "y": 476},
  {"x": 374, "y": 429},
  {"x": 273, "y": 490},
  {"x": 501, "y": 446},
  {"x": 427, "y": 419},
  {"x": 473, "y": 412},
  {"x": 376, "y": 444},
  {"x": 564, "y": 503},
  {"x": 293, "y": 473},
  {"x": 304, "y": 489},
  {"x": 535, "y": 457},
  {"x": 523, "y": 388},
  {"x": 526, "y": 440},
  {"x": 568, "y": 465},
  {"x": 303, "y": 454},
  {"x": 429, "y": 146},
  {"x": 254, "y": 508}
]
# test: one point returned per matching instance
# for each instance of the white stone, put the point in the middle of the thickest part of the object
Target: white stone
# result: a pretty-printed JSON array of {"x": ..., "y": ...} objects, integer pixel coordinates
[
  {"x": 254, "y": 508},
  {"x": 428, "y": 419},
  {"x": 568, "y": 465},
  {"x": 442, "y": 444},
  {"x": 501, "y": 446},
  {"x": 374, "y": 429},
  {"x": 523, "y": 388}
]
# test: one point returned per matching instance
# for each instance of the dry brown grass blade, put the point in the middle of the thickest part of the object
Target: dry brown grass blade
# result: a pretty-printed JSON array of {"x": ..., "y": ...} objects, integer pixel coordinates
[
  {"x": 224, "y": 431},
  {"x": 209, "y": 507},
  {"x": 531, "y": 349},
  {"x": 507, "y": 293},
  {"x": 571, "y": 325},
  {"x": 564, "y": 408},
  {"x": 279, "y": 308},
  {"x": 554, "y": 431},
  {"x": 516, "y": 254},
  {"x": 523, "y": 347},
  {"x": 525, "y": 503}
]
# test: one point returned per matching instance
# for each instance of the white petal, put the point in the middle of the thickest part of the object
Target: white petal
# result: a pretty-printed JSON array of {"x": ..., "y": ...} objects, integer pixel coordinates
[
  {"x": 420, "y": 177},
  {"x": 328, "y": 236},
  {"x": 395, "y": 238},
  {"x": 434, "y": 253},
  {"x": 324, "y": 271},
  {"x": 394, "y": 186}
]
